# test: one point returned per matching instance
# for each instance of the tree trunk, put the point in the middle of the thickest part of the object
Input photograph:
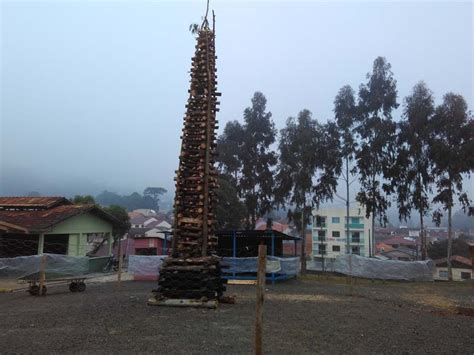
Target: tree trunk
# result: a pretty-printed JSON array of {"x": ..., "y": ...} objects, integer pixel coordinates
[
  {"x": 423, "y": 236},
  {"x": 348, "y": 245},
  {"x": 450, "y": 243},
  {"x": 372, "y": 233},
  {"x": 303, "y": 241},
  {"x": 254, "y": 212}
]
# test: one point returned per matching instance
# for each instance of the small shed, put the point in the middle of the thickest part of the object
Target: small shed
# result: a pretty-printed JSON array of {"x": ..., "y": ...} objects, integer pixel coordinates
[{"x": 239, "y": 248}]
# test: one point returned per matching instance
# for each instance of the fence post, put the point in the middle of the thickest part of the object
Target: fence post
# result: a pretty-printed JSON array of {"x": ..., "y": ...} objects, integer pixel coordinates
[
  {"x": 120, "y": 261},
  {"x": 471, "y": 249},
  {"x": 41, "y": 243},
  {"x": 234, "y": 249},
  {"x": 262, "y": 256},
  {"x": 42, "y": 274}
]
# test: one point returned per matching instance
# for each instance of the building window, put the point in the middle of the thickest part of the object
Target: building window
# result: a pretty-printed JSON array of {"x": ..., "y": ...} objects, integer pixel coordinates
[
  {"x": 336, "y": 248},
  {"x": 443, "y": 274},
  {"x": 355, "y": 250},
  {"x": 465, "y": 275},
  {"x": 355, "y": 237},
  {"x": 335, "y": 220},
  {"x": 320, "y": 221},
  {"x": 322, "y": 249},
  {"x": 322, "y": 235},
  {"x": 336, "y": 234},
  {"x": 355, "y": 220}
]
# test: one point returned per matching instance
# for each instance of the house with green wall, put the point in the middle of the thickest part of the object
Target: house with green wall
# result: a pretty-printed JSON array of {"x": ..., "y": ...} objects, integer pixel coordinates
[{"x": 36, "y": 225}]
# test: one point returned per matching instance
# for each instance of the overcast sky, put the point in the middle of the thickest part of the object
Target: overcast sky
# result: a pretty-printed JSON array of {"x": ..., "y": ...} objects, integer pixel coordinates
[{"x": 93, "y": 93}]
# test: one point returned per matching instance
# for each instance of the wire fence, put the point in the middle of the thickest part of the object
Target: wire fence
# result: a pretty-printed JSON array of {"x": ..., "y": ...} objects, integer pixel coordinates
[{"x": 23, "y": 245}]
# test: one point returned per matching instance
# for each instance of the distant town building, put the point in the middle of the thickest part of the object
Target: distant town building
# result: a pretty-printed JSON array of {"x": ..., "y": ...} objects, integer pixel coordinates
[
  {"x": 461, "y": 268},
  {"x": 400, "y": 254},
  {"x": 329, "y": 232},
  {"x": 150, "y": 233},
  {"x": 145, "y": 211}
]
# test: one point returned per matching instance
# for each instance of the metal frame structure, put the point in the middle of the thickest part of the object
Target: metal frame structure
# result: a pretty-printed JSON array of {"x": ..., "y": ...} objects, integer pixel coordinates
[{"x": 262, "y": 236}]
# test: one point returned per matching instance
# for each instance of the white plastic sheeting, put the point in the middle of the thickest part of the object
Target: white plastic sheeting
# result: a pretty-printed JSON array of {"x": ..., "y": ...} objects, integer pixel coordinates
[
  {"x": 286, "y": 266},
  {"x": 372, "y": 268},
  {"x": 56, "y": 266},
  {"x": 145, "y": 265}
]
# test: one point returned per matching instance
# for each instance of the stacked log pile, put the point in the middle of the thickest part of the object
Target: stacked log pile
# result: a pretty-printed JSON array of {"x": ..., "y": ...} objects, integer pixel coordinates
[{"x": 193, "y": 271}]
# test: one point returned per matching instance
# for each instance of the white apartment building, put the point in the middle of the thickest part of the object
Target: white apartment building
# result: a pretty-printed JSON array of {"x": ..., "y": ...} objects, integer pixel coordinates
[{"x": 329, "y": 232}]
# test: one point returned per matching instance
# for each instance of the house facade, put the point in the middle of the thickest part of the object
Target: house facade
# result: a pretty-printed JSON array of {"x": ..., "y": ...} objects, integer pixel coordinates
[
  {"x": 53, "y": 225},
  {"x": 329, "y": 232},
  {"x": 461, "y": 268}
]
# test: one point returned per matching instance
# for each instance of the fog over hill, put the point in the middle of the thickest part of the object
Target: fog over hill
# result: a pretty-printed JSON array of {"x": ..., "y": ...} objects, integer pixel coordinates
[{"x": 93, "y": 93}]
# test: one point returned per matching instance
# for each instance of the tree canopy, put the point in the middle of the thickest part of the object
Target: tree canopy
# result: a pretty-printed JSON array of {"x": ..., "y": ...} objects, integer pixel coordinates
[
  {"x": 246, "y": 159},
  {"x": 230, "y": 211},
  {"x": 376, "y": 133},
  {"x": 129, "y": 202},
  {"x": 83, "y": 200}
]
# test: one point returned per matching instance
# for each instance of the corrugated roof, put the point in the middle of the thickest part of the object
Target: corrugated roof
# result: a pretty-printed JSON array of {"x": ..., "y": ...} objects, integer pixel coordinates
[
  {"x": 399, "y": 241},
  {"x": 32, "y": 202}
]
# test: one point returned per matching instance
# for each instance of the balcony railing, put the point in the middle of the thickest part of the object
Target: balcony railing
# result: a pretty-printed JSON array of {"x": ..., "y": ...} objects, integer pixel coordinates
[
  {"x": 319, "y": 226},
  {"x": 355, "y": 226}
]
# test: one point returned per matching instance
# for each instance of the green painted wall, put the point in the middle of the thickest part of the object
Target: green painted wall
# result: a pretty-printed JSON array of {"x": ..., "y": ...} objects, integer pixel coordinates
[
  {"x": 74, "y": 245},
  {"x": 77, "y": 228},
  {"x": 84, "y": 223}
]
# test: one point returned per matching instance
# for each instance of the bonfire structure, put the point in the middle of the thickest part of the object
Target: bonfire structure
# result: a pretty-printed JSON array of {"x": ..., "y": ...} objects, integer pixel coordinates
[{"x": 192, "y": 274}]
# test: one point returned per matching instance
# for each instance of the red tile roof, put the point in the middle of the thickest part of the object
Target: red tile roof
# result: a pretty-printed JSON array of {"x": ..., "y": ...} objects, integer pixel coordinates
[
  {"x": 458, "y": 258},
  {"x": 11, "y": 228},
  {"x": 383, "y": 247},
  {"x": 45, "y": 219}
]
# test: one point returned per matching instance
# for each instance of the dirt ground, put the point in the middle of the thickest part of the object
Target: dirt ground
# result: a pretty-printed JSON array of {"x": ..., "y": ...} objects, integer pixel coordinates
[{"x": 311, "y": 315}]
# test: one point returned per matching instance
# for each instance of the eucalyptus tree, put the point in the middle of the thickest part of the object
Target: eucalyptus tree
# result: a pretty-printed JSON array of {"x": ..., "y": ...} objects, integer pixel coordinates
[
  {"x": 229, "y": 151},
  {"x": 412, "y": 178},
  {"x": 154, "y": 193},
  {"x": 230, "y": 211},
  {"x": 376, "y": 131},
  {"x": 258, "y": 159},
  {"x": 452, "y": 143},
  {"x": 307, "y": 169},
  {"x": 298, "y": 161},
  {"x": 345, "y": 110}
]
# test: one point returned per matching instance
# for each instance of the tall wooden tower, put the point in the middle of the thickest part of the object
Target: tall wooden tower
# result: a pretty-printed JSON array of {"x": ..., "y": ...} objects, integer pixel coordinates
[{"x": 193, "y": 271}]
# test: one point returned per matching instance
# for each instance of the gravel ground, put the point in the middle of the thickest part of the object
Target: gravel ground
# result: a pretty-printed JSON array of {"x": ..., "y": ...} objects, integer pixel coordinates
[{"x": 313, "y": 315}]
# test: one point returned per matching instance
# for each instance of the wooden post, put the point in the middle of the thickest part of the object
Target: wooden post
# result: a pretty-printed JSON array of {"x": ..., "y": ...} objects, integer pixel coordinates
[
  {"x": 40, "y": 243},
  {"x": 120, "y": 261},
  {"x": 42, "y": 276},
  {"x": 471, "y": 249},
  {"x": 262, "y": 263}
]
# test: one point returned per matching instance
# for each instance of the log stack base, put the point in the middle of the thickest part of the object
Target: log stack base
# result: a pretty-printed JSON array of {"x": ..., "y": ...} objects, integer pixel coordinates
[{"x": 196, "y": 279}]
